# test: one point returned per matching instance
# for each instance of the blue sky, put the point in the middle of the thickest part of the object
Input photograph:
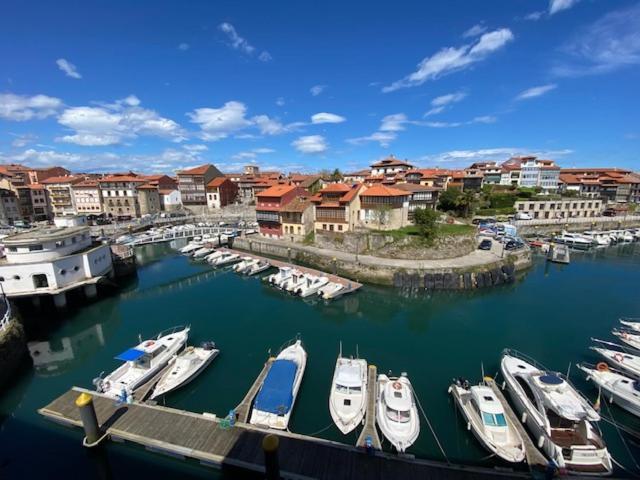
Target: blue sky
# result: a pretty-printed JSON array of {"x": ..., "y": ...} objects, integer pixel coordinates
[{"x": 156, "y": 86}]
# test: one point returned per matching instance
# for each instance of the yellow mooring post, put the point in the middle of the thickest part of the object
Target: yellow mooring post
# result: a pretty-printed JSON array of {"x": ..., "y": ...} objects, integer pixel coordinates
[
  {"x": 270, "y": 447},
  {"x": 84, "y": 402}
]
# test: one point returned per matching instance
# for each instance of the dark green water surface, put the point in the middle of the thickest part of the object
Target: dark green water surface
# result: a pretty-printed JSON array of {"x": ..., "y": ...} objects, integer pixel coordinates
[{"x": 550, "y": 314}]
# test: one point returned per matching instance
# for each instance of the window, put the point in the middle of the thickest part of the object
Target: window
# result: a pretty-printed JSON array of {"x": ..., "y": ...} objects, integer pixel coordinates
[
  {"x": 340, "y": 227},
  {"x": 33, "y": 248}
]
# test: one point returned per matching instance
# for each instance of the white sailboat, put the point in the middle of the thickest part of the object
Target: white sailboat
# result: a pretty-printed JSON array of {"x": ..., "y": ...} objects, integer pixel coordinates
[
  {"x": 185, "y": 367},
  {"x": 560, "y": 420},
  {"x": 628, "y": 337},
  {"x": 274, "y": 402},
  {"x": 141, "y": 363},
  {"x": 485, "y": 416},
  {"x": 397, "y": 414},
  {"x": 190, "y": 247},
  {"x": 348, "y": 397},
  {"x": 213, "y": 256},
  {"x": 616, "y": 387},
  {"x": 598, "y": 238}
]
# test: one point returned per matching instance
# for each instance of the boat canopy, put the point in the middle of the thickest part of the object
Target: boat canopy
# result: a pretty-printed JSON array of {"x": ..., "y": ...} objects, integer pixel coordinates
[
  {"x": 349, "y": 375},
  {"x": 276, "y": 394},
  {"x": 130, "y": 355}
]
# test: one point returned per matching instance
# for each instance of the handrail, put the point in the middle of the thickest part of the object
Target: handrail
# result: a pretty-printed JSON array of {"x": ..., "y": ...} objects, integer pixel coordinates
[
  {"x": 171, "y": 330},
  {"x": 6, "y": 318}
]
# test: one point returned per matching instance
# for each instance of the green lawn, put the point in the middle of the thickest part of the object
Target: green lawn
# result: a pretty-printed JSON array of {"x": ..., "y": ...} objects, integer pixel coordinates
[{"x": 444, "y": 229}]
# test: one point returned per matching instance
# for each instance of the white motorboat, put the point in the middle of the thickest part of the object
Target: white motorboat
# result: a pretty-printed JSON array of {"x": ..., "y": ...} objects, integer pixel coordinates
[
  {"x": 202, "y": 252},
  {"x": 631, "y": 323},
  {"x": 630, "y": 338},
  {"x": 244, "y": 264},
  {"x": 212, "y": 257},
  {"x": 281, "y": 275},
  {"x": 226, "y": 258},
  {"x": 297, "y": 280},
  {"x": 560, "y": 420},
  {"x": 620, "y": 359},
  {"x": 598, "y": 238},
  {"x": 141, "y": 363},
  {"x": 616, "y": 387},
  {"x": 574, "y": 240},
  {"x": 284, "y": 284},
  {"x": 485, "y": 416},
  {"x": 258, "y": 267},
  {"x": 397, "y": 414},
  {"x": 348, "y": 397},
  {"x": 558, "y": 253},
  {"x": 311, "y": 286},
  {"x": 331, "y": 290},
  {"x": 274, "y": 402},
  {"x": 185, "y": 367}
]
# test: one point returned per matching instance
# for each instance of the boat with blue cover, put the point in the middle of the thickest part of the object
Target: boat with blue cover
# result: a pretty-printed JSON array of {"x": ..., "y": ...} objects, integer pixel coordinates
[
  {"x": 141, "y": 363},
  {"x": 274, "y": 402}
]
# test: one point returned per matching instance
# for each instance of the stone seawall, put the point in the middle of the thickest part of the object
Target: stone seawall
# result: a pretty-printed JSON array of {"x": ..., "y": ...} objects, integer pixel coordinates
[
  {"x": 13, "y": 350},
  {"x": 611, "y": 223},
  {"x": 494, "y": 272}
]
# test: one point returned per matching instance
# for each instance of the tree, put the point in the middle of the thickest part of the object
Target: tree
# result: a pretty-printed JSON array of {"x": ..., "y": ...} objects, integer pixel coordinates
[
  {"x": 448, "y": 199},
  {"x": 336, "y": 176},
  {"x": 425, "y": 219},
  {"x": 464, "y": 203},
  {"x": 381, "y": 215}
]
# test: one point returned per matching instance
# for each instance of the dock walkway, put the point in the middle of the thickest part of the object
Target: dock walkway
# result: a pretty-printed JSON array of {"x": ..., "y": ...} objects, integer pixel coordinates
[
  {"x": 244, "y": 408},
  {"x": 204, "y": 438},
  {"x": 369, "y": 430}
]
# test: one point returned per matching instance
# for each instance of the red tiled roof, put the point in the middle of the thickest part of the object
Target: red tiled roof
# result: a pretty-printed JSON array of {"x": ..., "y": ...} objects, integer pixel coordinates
[
  {"x": 147, "y": 186},
  {"x": 166, "y": 191},
  {"x": 87, "y": 184},
  {"x": 335, "y": 188},
  {"x": 276, "y": 191},
  {"x": 390, "y": 162},
  {"x": 216, "y": 182},
  {"x": 62, "y": 179},
  {"x": 414, "y": 187},
  {"x": 297, "y": 204},
  {"x": 383, "y": 191},
  {"x": 201, "y": 170},
  {"x": 121, "y": 178},
  {"x": 359, "y": 173}
]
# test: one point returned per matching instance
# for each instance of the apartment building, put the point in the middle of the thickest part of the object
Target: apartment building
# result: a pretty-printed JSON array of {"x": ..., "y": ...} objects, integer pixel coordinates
[
  {"x": 87, "y": 197},
  {"x": 420, "y": 196},
  {"x": 34, "y": 202},
  {"x": 192, "y": 184},
  {"x": 614, "y": 185},
  {"x": 61, "y": 194},
  {"x": 270, "y": 206},
  {"x": 221, "y": 192},
  {"x": 390, "y": 167},
  {"x": 120, "y": 195},
  {"x": 384, "y": 208},
  {"x": 9, "y": 207},
  {"x": 530, "y": 172},
  {"x": 337, "y": 207},
  {"x": 559, "y": 209}
]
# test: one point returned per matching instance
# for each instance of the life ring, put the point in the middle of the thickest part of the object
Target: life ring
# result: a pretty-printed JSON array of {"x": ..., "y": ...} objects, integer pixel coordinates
[
  {"x": 625, "y": 335},
  {"x": 602, "y": 367},
  {"x": 149, "y": 343},
  {"x": 397, "y": 385},
  {"x": 618, "y": 357}
]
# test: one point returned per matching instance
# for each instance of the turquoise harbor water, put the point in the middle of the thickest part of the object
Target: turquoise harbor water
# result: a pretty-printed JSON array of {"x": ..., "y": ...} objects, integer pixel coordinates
[{"x": 550, "y": 314}]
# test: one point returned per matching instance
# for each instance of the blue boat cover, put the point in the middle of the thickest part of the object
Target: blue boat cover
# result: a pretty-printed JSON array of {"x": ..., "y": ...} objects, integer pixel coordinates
[
  {"x": 130, "y": 355},
  {"x": 551, "y": 379},
  {"x": 276, "y": 395}
]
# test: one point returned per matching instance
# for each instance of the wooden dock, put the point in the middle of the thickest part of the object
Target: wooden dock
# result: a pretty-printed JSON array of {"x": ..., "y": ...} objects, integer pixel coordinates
[
  {"x": 244, "y": 408},
  {"x": 535, "y": 459},
  {"x": 350, "y": 285},
  {"x": 369, "y": 430},
  {"x": 206, "y": 439}
]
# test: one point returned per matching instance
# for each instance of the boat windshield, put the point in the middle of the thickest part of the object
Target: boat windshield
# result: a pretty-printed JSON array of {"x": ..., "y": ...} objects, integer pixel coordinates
[
  {"x": 347, "y": 390},
  {"x": 494, "y": 420},
  {"x": 400, "y": 416}
]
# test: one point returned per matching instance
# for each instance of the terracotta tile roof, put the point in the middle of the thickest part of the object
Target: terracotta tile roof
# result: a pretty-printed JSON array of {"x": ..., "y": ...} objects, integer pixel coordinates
[
  {"x": 166, "y": 191},
  {"x": 336, "y": 188},
  {"x": 415, "y": 187},
  {"x": 350, "y": 195},
  {"x": 360, "y": 173},
  {"x": 121, "y": 178},
  {"x": 201, "y": 170},
  {"x": 63, "y": 179},
  {"x": 390, "y": 161},
  {"x": 276, "y": 191},
  {"x": 383, "y": 191},
  {"x": 86, "y": 184},
  {"x": 298, "y": 204},
  {"x": 35, "y": 186},
  {"x": 216, "y": 182},
  {"x": 147, "y": 186}
]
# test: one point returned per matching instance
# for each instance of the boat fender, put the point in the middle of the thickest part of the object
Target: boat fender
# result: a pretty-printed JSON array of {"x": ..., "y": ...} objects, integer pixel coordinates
[
  {"x": 618, "y": 357},
  {"x": 449, "y": 390},
  {"x": 504, "y": 385},
  {"x": 540, "y": 441},
  {"x": 524, "y": 417},
  {"x": 602, "y": 367},
  {"x": 468, "y": 425}
]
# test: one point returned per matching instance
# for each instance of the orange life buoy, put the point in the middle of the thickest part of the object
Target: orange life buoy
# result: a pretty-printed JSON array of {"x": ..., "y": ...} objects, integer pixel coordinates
[
  {"x": 397, "y": 385},
  {"x": 602, "y": 367},
  {"x": 618, "y": 357},
  {"x": 149, "y": 343}
]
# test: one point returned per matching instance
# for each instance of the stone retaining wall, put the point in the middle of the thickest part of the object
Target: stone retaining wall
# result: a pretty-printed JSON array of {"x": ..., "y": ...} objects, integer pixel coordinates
[
  {"x": 13, "y": 350},
  {"x": 612, "y": 224},
  {"x": 494, "y": 273}
]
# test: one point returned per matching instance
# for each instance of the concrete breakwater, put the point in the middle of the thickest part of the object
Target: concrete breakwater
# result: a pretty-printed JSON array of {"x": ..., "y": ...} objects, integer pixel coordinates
[{"x": 476, "y": 270}]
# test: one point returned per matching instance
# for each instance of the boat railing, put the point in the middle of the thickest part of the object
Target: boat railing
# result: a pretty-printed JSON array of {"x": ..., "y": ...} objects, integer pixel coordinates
[
  {"x": 591, "y": 366},
  {"x": 630, "y": 319},
  {"x": 289, "y": 342},
  {"x": 523, "y": 356},
  {"x": 171, "y": 330},
  {"x": 5, "y": 311},
  {"x": 617, "y": 345}
]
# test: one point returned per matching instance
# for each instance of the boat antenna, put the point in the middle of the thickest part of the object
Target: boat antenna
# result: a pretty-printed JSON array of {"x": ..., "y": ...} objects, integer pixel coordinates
[
  {"x": 139, "y": 338},
  {"x": 357, "y": 353},
  {"x": 568, "y": 370},
  {"x": 340, "y": 353},
  {"x": 482, "y": 369}
]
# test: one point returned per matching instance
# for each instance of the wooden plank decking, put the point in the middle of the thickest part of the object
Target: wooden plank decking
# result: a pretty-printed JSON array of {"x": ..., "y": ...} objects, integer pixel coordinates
[
  {"x": 369, "y": 429},
  {"x": 204, "y": 438},
  {"x": 244, "y": 408}
]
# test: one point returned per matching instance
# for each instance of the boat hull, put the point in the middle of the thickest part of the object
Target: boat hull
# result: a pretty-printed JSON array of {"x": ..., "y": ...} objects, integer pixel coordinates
[{"x": 162, "y": 389}]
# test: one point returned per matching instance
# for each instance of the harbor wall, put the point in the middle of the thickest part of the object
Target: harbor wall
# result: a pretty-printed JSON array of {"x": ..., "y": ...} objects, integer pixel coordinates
[
  {"x": 13, "y": 350},
  {"x": 526, "y": 229},
  {"x": 496, "y": 272}
]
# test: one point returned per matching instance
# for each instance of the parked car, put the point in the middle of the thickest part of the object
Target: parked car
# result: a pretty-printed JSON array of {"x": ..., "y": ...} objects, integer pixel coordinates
[
  {"x": 485, "y": 244},
  {"x": 523, "y": 216}
]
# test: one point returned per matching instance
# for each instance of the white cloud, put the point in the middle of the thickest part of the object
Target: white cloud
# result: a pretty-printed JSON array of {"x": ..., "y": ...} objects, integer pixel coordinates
[
  {"x": 474, "y": 31},
  {"x": 324, "y": 117},
  {"x": 383, "y": 138},
  {"x": 439, "y": 104},
  {"x": 22, "y": 140},
  {"x": 241, "y": 44},
  {"x": 451, "y": 59},
  {"x": 484, "y": 119},
  {"x": 218, "y": 123},
  {"x": 310, "y": 144},
  {"x": 536, "y": 91},
  {"x": 610, "y": 43},
  {"x": 465, "y": 157},
  {"x": 184, "y": 46},
  {"x": 68, "y": 68},
  {"x": 195, "y": 147},
  {"x": 280, "y": 102},
  {"x": 317, "y": 90},
  {"x": 273, "y": 126},
  {"x": 393, "y": 123},
  {"x": 534, "y": 16},
  {"x": 20, "y": 108},
  {"x": 262, "y": 150},
  {"x": 387, "y": 132},
  {"x": 556, "y": 6},
  {"x": 112, "y": 124},
  {"x": 252, "y": 154}
]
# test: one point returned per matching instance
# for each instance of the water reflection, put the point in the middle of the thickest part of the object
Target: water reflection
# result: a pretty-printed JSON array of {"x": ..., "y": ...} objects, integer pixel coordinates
[{"x": 55, "y": 357}]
